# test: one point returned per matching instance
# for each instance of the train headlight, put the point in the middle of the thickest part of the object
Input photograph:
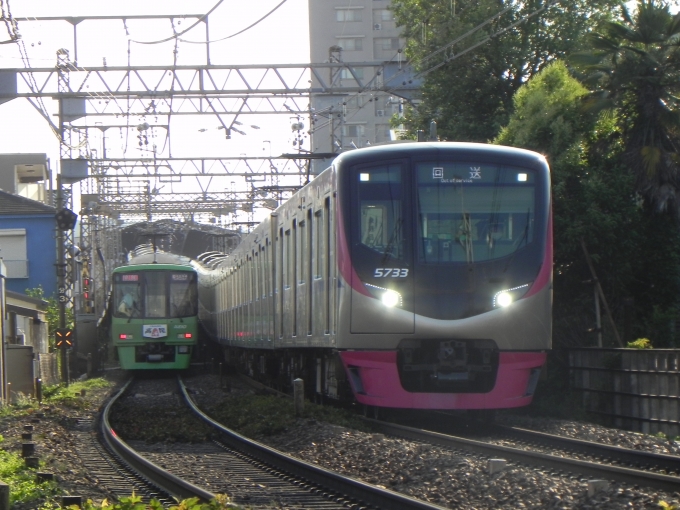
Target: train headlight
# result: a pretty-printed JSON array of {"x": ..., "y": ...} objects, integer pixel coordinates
[
  {"x": 390, "y": 298},
  {"x": 506, "y": 297}
]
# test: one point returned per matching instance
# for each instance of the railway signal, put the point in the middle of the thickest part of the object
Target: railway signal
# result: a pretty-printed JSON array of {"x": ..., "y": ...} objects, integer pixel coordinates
[
  {"x": 66, "y": 219},
  {"x": 88, "y": 294},
  {"x": 63, "y": 338}
]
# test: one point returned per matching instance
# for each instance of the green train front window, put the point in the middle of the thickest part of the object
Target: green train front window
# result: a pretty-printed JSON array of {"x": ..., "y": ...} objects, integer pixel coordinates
[
  {"x": 155, "y": 297},
  {"x": 155, "y": 294},
  {"x": 183, "y": 294},
  {"x": 127, "y": 290}
]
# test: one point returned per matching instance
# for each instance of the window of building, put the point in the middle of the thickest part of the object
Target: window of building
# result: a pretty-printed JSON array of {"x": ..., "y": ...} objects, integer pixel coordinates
[
  {"x": 345, "y": 74},
  {"x": 13, "y": 252},
  {"x": 353, "y": 130},
  {"x": 351, "y": 43},
  {"x": 381, "y": 15},
  {"x": 387, "y": 43},
  {"x": 343, "y": 15}
]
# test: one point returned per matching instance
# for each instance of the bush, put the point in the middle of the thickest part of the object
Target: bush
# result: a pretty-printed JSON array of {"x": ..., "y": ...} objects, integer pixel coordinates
[{"x": 640, "y": 343}]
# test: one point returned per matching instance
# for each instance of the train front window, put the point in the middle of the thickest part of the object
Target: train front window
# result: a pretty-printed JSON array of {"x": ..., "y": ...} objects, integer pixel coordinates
[
  {"x": 156, "y": 294},
  {"x": 126, "y": 296},
  {"x": 381, "y": 226},
  {"x": 471, "y": 212},
  {"x": 183, "y": 295}
]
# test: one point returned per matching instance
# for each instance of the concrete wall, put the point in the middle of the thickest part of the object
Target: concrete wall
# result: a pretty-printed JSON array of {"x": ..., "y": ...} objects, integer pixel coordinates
[{"x": 8, "y": 164}]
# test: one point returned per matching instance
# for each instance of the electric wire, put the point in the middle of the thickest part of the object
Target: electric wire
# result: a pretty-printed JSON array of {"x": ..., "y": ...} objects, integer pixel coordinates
[
  {"x": 240, "y": 31},
  {"x": 176, "y": 35}
]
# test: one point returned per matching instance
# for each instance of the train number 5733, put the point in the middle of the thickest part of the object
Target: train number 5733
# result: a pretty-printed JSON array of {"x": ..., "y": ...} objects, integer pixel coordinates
[{"x": 393, "y": 272}]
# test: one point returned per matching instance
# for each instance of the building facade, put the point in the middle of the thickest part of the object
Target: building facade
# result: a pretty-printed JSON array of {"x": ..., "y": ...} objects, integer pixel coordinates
[
  {"x": 357, "y": 32},
  {"x": 27, "y": 244}
]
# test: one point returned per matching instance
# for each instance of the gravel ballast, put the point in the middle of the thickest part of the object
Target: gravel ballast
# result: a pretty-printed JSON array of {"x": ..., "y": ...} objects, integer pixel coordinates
[{"x": 447, "y": 478}]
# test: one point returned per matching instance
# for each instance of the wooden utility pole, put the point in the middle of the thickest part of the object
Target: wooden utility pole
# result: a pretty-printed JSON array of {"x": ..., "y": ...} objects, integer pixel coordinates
[{"x": 599, "y": 292}]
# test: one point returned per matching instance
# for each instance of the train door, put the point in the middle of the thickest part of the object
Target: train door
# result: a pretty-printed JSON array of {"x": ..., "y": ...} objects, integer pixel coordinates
[{"x": 381, "y": 249}]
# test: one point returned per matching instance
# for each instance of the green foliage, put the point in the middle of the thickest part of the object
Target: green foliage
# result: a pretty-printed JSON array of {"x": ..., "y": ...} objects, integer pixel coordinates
[
  {"x": 221, "y": 502},
  {"x": 640, "y": 343},
  {"x": 469, "y": 93},
  {"x": 266, "y": 415},
  {"x": 23, "y": 487},
  {"x": 52, "y": 312},
  {"x": 70, "y": 395},
  {"x": 635, "y": 250},
  {"x": 633, "y": 66}
]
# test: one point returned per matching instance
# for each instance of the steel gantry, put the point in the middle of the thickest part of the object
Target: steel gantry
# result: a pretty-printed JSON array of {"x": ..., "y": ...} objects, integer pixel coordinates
[{"x": 106, "y": 110}]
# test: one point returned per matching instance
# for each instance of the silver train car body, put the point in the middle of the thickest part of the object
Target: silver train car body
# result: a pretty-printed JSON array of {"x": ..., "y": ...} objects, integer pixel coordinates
[{"x": 415, "y": 275}]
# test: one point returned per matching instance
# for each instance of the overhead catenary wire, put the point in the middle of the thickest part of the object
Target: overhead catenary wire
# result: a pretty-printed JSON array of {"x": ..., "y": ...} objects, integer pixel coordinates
[
  {"x": 176, "y": 35},
  {"x": 240, "y": 31}
]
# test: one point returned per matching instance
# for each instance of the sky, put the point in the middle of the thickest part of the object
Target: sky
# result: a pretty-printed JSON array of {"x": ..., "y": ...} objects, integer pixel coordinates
[{"x": 282, "y": 37}]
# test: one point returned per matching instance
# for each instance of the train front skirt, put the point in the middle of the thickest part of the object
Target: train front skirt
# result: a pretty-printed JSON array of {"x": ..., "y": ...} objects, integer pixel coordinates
[{"x": 375, "y": 381}]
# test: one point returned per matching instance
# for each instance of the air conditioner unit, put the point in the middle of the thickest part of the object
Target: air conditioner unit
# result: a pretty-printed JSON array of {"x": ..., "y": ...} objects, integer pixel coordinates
[
  {"x": 380, "y": 113},
  {"x": 377, "y": 26}
]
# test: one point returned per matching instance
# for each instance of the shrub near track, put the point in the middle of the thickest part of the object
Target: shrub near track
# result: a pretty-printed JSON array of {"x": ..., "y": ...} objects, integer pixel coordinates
[{"x": 268, "y": 415}]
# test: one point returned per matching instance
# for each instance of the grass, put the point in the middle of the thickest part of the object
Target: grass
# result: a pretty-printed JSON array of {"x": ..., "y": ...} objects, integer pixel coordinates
[
  {"x": 267, "y": 415},
  {"x": 24, "y": 487}
]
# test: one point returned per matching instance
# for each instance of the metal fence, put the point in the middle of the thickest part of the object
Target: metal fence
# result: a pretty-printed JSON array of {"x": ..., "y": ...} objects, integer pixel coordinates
[
  {"x": 634, "y": 389},
  {"x": 48, "y": 368}
]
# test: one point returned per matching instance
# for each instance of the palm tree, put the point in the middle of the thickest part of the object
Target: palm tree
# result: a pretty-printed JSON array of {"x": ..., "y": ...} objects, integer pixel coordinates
[{"x": 634, "y": 68}]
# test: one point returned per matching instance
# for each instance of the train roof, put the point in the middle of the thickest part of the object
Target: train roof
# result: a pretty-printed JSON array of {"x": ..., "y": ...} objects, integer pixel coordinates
[
  {"x": 154, "y": 267},
  {"x": 462, "y": 148}
]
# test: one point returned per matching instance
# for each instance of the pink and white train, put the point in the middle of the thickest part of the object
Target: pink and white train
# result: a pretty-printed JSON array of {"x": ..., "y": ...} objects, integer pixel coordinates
[{"x": 412, "y": 275}]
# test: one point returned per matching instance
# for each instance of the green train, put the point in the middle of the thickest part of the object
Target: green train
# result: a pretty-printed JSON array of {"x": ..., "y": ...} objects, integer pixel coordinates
[{"x": 154, "y": 322}]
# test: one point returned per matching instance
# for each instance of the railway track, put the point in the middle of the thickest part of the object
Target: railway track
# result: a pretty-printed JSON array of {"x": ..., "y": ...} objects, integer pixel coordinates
[
  {"x": 111, "y": 472},
  {"x": 251, "y": 473},
  {"x": 562, "y": 454}
]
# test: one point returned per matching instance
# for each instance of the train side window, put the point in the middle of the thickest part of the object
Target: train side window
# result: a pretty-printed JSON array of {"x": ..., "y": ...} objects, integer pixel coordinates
[
  {"x": 327, "y": 269},
  {"x": 294, "y": 276},
  {"x": 303, "y": 250},
  {"x": 309, "y": 269},
  {"x": 286, "y": 260},
  {"x": 280, "y": 279},
  {"x": 318, "y": 255}
]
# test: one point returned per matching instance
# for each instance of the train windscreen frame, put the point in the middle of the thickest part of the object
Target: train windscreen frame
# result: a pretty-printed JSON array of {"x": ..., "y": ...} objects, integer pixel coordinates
[
  {"x": 508, "y": 196},
  {"x": 155, "y": 294}
]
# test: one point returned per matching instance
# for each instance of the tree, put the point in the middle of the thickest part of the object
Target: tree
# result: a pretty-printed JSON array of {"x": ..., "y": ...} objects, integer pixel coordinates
[
  {"x": 470, "y": 93},
  {"x": 636, "y": 252},
  {"x": 634, "y": 67}
]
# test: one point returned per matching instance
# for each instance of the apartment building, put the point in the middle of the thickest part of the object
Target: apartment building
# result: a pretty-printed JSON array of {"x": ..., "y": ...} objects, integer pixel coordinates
[{"x": 356, "y": 32}]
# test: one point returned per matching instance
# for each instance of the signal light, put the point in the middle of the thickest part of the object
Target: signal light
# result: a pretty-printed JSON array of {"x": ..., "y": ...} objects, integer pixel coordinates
[
  {"x": 124, "y": 336},
  {"x": 63, "y": 337},
  {"x": 66, "y": 219}
]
